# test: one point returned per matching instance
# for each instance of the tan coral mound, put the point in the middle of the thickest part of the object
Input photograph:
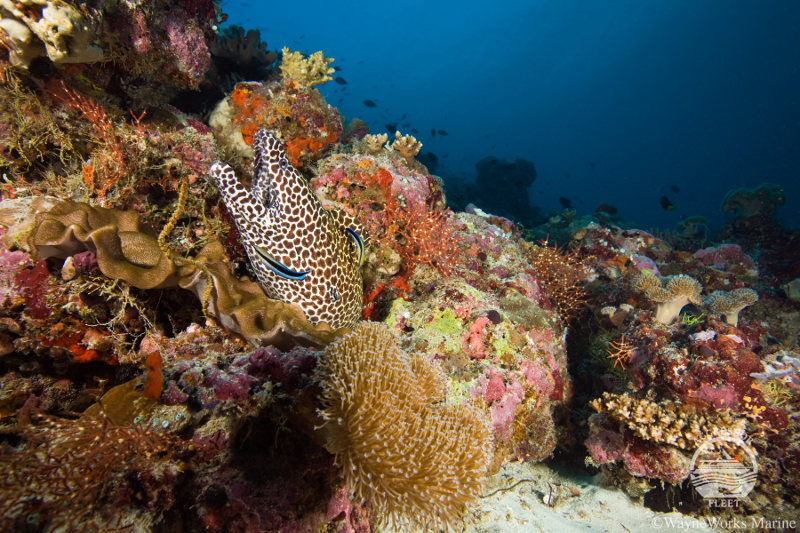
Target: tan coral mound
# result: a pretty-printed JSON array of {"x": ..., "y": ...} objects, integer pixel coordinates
[
  {"x": 671, "y": 296},
  {"x": 419, "y": 462},
  {"x": 730, "y": 303}
]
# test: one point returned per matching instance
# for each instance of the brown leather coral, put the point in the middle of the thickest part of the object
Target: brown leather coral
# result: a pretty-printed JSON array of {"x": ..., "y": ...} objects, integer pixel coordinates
[
  {"x": 240, "y": 305},
  {"x": 126, "y": 250},
  {"x": 670, "y": 294}
]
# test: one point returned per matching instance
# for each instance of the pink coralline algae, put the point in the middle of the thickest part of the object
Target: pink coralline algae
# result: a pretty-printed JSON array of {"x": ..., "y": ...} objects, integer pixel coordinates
[
  {"x": 473, "y": 339},
  {"x": 640, "y": 458},
  {"x": 285, "y": 370},
  {"x": 11, "y": 263},
  {"x": 188, "y": 47},
  {"x": 502, "y": 399},
  {"x": 244, "y": 376},
  {"x": 84, "y": 262},
  {"x": 720, "y": 397},
  {"x": 643, "y": 262},
  {"x": 725, "y": 256},
  {"x": 352, "y": 518},
  {"x": 538, "y": 378},
  {"x": 32, "y": 283},
  {"x": 139, "y": 34}
]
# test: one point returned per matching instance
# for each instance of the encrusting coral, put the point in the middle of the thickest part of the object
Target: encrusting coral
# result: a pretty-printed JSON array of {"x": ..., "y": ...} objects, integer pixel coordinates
[
  {"x": 729, "y": 303},
  {"x": 309, "y": 71},
  {"x": 671, "y": 296},
  {"x": 420, "y": 462},
  {"x": 668, "y": 422},
  {"x": 51, "y": 28}
]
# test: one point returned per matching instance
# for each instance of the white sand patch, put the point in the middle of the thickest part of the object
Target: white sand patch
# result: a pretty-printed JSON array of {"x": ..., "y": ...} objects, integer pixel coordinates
[{"x": 578, "y": 505}]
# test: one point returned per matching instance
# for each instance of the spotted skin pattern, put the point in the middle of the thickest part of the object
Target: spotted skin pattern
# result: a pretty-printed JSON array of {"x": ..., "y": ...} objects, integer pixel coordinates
[{"x": 282, "y": 216}]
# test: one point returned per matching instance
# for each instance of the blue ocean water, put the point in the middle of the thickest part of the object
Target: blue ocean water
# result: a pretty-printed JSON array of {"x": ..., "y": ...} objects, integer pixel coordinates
[{"x": 618, "y": 102}]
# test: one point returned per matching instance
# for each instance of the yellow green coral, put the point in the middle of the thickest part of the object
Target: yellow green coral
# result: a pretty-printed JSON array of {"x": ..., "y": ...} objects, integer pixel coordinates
[{"x": 309, "y": 71}]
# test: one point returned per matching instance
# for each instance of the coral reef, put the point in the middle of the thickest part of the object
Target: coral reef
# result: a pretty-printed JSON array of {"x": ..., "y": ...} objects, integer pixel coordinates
[
  {"x": 682, "y": 426},
  {"x": 293, "y": 111},
  {"x": 65, "y": 469},
  {"x": 123, "y": 249},
  {"x": 419, "y": 461},
  {"x": 374, "y": 143},
  {"x": 137, "y": 348},
  {"x": 406, "y": 145}
]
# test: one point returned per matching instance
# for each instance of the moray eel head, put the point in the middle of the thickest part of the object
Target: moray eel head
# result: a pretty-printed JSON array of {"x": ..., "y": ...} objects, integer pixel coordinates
[{"x": 300, "y": 251}]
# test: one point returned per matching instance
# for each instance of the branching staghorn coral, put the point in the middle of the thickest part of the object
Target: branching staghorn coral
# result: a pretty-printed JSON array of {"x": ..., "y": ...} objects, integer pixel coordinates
[
  {"x": 420, "y": 462},
  {"x": 668, "y": 422},
  {"x": 309, "y": 71},
  {"x": 670, "y": 297}
]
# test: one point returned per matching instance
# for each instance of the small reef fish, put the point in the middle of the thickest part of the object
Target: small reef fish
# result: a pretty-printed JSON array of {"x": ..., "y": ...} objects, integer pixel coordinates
[
  {"x": 566, "y": 203},
  {"x": 391, "y": 128},
  {"x": 591, "y": 164},
  {"x": 370, "y": 103},
  {"x": 666, "y": 204},
  {"x": 340, "y": 80},
  {"x": 301, "y": 252},
  {"x": 441, "y": 132},
  {"x": 433, "y": 132}
]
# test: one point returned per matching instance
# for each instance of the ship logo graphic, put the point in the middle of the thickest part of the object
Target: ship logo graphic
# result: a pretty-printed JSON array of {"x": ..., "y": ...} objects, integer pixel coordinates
[{"x": 724, "y": 467}]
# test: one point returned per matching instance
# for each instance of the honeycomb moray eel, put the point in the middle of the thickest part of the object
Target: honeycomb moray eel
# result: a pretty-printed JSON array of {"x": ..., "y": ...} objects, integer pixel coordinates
[{"x": 301, "y": 252}]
